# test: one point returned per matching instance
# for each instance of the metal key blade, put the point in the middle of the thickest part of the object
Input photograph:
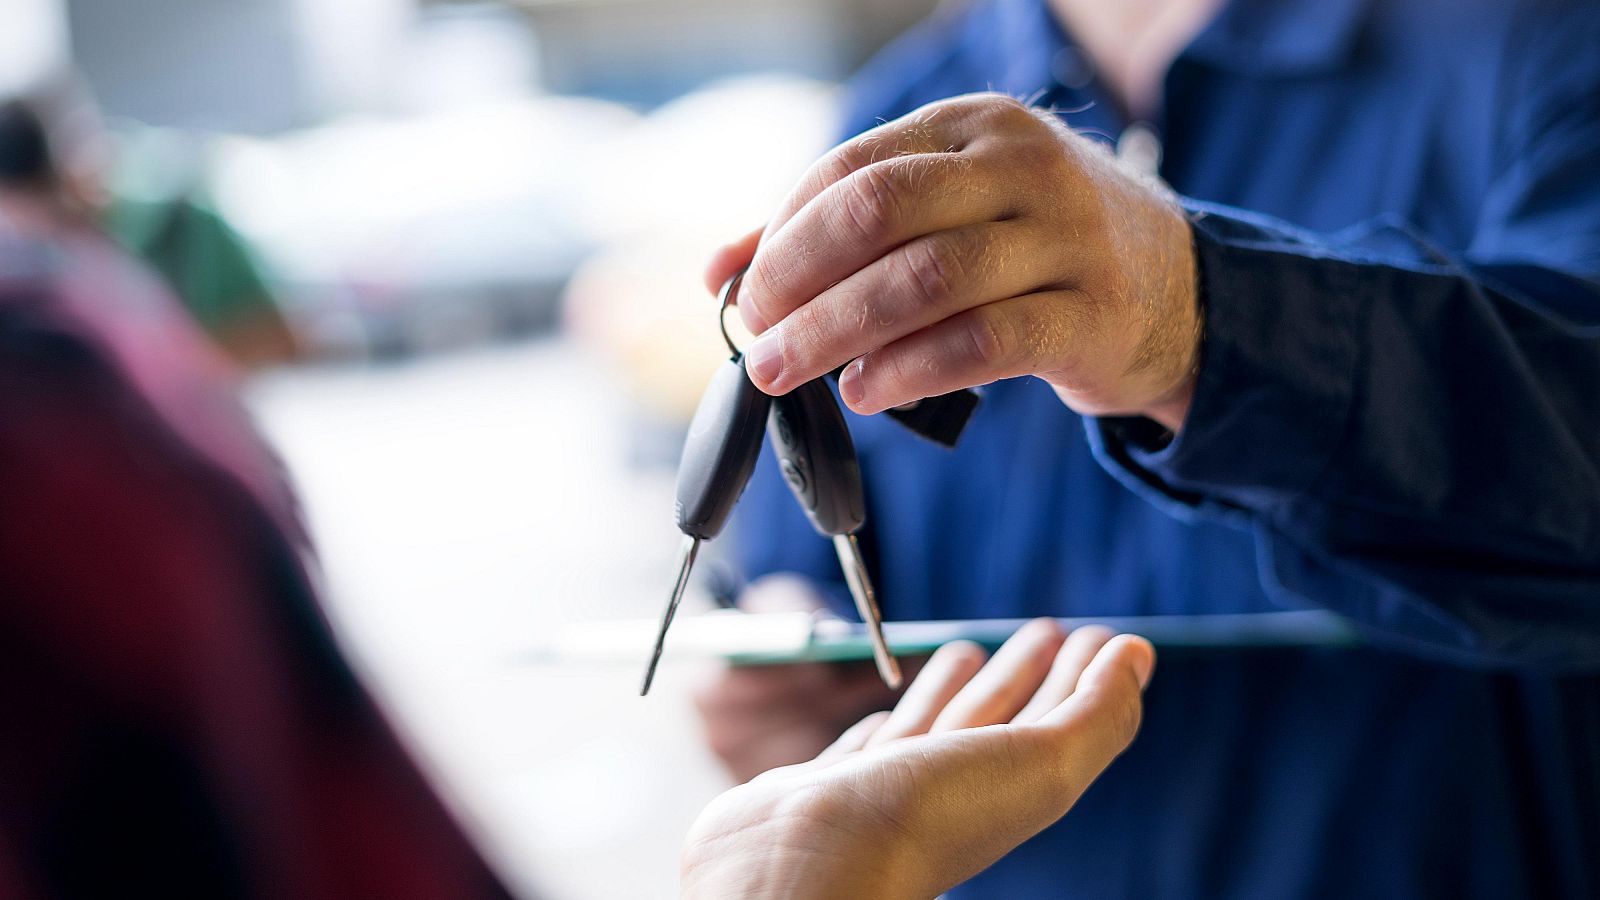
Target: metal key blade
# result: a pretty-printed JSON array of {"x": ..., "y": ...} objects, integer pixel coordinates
[
  {"x": 855, "y": 575},
  {"x": 691, "y": 548}
]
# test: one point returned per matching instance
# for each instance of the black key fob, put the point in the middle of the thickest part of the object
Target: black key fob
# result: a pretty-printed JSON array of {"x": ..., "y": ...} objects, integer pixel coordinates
[
  {"x": 818, "y": 458},
  {"x": 720, "y": 452}
]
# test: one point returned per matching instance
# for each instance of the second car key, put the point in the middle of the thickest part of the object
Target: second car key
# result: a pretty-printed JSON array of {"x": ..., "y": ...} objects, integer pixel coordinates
[{"x": 818, "y": 460}]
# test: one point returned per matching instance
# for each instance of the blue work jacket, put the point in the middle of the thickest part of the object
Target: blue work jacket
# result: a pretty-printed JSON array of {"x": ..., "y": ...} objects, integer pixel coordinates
[{"x": 1396, "y": 208}]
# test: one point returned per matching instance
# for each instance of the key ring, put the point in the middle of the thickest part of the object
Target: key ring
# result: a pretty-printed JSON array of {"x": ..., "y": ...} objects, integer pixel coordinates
[{"x": 728, "y": 292}]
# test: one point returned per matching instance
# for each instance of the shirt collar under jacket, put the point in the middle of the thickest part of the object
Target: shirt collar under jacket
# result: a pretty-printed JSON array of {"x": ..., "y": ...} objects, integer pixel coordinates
[{"x": 1265, "y": 38}]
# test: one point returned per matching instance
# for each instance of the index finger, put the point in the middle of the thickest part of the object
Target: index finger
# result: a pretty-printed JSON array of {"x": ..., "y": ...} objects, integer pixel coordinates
[
  {"x": 914, "y": 132},
  {"x": 856, "y": 183}
]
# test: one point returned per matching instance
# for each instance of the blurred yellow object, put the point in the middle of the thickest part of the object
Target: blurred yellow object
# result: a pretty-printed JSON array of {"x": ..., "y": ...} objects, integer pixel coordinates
[
  {"x": 641, "y": 301},
  {"x": 642, "y": 305}
]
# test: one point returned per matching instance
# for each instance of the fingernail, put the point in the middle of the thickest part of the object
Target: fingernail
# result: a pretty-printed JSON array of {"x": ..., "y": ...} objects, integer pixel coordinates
[
  {"x": 850, "y": 386},
  {"x": 764, "y": 359}
]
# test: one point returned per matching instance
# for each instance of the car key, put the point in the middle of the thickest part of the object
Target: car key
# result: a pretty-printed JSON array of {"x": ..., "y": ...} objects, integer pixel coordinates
[
  {"x": 718, "y": 456},
  {"x": 818, "y": 460}
]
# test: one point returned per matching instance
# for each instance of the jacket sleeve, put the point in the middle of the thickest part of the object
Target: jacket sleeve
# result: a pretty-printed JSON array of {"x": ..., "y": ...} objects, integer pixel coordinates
[{"x": 1413, "y": 438}]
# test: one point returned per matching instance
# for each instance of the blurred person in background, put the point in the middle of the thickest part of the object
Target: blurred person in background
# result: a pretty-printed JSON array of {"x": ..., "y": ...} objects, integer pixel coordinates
[
  {"x": 1311, "y": 295},
  {"x": 157, "y": 207},
  {"x": 180, "y": 720},
  {"x": 146, "y": 189}
]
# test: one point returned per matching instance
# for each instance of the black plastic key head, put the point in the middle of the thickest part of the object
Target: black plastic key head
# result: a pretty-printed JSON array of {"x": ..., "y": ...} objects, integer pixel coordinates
[
  {"x": 720, "y": 451},
  {"x": 818, "y": 458}
]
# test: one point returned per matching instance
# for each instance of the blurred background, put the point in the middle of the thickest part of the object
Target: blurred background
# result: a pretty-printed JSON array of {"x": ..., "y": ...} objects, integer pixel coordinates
[{"x": 455, "y": 249}]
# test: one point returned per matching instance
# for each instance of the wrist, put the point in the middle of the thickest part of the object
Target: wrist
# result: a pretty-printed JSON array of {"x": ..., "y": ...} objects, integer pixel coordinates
[
  {"x": 1147, "y": 358},
  {"x": 1171, "y": 408},
  {"x": 1176, "y": 340}
]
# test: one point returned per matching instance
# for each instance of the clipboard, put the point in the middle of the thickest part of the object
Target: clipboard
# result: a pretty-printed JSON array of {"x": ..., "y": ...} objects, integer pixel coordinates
[{"x": 763, "y": 639}]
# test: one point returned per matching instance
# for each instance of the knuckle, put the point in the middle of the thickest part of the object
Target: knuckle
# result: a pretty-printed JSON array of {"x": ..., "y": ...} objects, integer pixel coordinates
[
  {"x": 937, "y": 176},
  {"x": 895, "y": 374},
  {"x": 961, "y": 108},
  {"x": 763, "y": 283},
  {"x": 985, "y": 340},
  {"x": 809, "y": 337},
  {"x": 871, "y": 203},
  {"x": 1046, "y": 119},
  {"x": 1002, "y": 109},
  {"x": 884, "y": 142},
  {"x": 933, "y": 270},
  {"x": 837, "y": 165},
  {"x": 840, "y": 164}
]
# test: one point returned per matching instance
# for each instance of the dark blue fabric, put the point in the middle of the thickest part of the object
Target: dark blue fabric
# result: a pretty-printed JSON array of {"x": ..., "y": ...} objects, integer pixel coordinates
[{"x": 1398, "y": 418}]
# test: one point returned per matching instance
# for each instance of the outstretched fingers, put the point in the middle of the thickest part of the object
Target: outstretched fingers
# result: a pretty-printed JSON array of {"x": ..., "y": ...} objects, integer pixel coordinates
[{"x": 1101, "y": 717}]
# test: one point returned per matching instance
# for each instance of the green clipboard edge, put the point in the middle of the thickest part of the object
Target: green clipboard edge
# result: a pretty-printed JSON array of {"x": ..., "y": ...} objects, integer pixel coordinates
[{"x": 834, "y": 640}]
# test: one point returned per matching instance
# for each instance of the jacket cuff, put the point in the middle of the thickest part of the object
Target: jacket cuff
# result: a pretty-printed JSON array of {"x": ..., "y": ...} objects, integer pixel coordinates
[{"x": 1277, "y": 371}]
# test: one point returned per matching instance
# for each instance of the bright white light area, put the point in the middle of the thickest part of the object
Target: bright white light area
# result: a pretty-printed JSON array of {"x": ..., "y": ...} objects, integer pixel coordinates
[
  {"x": 464, "y": 506},
  {"x": 33, "y": 42}
]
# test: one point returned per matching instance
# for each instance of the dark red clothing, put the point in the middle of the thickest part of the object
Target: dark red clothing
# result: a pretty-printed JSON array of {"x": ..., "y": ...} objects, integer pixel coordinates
[{"x": 177, "y": 718}]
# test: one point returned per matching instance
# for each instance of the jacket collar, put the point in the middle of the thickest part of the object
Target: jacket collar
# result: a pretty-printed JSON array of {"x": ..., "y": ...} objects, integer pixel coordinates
[{"x": 1281, "y": 37}]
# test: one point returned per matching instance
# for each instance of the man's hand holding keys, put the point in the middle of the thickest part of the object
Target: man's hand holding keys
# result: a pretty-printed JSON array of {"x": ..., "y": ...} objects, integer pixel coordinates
[{"x": 972, "y": 240}]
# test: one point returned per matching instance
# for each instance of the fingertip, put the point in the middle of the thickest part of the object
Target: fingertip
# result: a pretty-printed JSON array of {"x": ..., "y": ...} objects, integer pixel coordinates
[
  {"x": 725, "y": 263},
  {"x": 1074, "y": 652},
  {"x": 1130, "y": 650},
  {"x": 728, "y": 259},
  {"x": 1098, "y": 634},
  {"x": 716, "y": 274},
  {"x": 1144, "y": 658},
  {"x": 1048, "y": 638},
  {"x": 1039, "y": 638},
  {"x": 1043, "y": 626},
  {"x": 1116, "y": 676},
  {"x": 963, "y": 653}
]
